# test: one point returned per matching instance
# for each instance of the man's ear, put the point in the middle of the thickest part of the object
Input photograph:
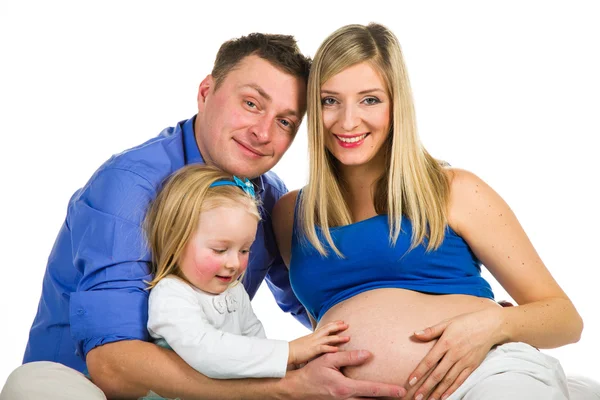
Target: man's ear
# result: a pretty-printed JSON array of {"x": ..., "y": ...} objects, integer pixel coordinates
[{"x": 206, "y": 87}]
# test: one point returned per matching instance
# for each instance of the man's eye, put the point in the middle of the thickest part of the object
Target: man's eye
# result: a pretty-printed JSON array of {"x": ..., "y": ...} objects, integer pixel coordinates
[
  {"x": 250, "y": 104},
  {"x": 285, "y": 123}
]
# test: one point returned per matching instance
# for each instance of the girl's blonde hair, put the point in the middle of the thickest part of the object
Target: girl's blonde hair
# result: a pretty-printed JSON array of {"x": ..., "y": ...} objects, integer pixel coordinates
[
  {"x": 414, "y": 184},
  {"x": 173, "y": 216}
]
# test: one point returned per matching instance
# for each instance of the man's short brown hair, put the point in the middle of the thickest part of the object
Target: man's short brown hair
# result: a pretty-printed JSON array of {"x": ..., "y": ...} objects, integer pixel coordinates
[{"x": 280, "y": 50}]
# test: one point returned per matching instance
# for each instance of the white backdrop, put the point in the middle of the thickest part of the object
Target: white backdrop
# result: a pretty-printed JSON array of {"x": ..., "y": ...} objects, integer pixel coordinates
[{"x": 509, "y": 90}]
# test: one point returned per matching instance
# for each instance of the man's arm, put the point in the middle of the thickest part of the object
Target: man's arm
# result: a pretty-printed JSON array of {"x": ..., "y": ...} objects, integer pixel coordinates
[
  {"x": 128, "y": 369},
  {"x": 109, "y": 312},
  {"x": 278, "y": 281}
]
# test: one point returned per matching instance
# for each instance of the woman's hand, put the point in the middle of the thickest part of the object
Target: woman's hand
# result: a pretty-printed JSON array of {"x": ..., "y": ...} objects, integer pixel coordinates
[{"x": 463, "y": 343}]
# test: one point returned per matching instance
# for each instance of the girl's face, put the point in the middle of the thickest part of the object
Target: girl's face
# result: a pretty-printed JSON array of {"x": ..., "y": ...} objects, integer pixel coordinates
[
  {"x": 217, "y": 253},
  {"x": 356, "y": 115}
]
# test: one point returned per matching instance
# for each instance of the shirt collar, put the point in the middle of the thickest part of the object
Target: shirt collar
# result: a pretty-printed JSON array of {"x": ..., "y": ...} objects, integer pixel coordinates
[
  {"x": 259, "y": 185},
  {"x": 192, "y": 153},
  {"x": 190, "y": 146}
]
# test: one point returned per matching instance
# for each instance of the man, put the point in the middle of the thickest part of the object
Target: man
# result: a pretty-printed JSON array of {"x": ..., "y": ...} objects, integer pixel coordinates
[{"x": 93, "y": 311}]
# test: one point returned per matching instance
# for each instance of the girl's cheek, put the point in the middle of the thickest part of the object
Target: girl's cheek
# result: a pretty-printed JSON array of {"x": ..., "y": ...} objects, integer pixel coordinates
[
  {"x": 207, "y": 265},
  {"x": 244, "y": 264}
]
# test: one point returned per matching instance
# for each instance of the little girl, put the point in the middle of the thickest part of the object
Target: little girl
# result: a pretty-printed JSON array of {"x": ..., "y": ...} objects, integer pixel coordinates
[{"x": 200, "y": 229}]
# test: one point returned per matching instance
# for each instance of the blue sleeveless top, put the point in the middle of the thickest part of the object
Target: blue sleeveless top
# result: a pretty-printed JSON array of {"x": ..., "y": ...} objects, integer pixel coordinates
[{"x": 371, "y": 263}]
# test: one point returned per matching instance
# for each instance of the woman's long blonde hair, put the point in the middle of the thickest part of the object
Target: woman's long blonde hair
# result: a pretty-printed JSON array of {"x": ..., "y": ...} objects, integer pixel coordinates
[
  {"x": 173, "y": 216},
  {"x": 414, "y": 185}
]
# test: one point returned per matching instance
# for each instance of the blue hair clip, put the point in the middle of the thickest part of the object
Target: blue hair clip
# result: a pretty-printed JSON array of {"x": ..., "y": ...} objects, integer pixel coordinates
[{"x": 245, "y": 185}]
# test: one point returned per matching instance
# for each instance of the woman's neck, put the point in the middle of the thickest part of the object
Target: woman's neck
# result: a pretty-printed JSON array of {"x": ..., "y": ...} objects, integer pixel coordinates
[{"x": 359, "y": 189}]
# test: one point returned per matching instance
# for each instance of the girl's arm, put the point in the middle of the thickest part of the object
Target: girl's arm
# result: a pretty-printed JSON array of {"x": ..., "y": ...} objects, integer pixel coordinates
[{"x": 176, "y": 314}]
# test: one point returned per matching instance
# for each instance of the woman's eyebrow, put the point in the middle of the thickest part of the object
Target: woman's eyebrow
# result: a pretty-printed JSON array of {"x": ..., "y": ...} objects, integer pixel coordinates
[{"x": 326, "y": 91}]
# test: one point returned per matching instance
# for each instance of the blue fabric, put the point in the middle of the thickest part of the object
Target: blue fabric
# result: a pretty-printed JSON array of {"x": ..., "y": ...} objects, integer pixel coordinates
[
  {"x": 93, "y": 289},
  {"x": 154, "y": 396},
  {"x": 371, "y": 263}
]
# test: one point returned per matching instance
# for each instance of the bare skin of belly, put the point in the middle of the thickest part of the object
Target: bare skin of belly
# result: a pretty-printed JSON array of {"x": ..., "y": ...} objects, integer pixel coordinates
[{"x": 383, "y": 321}]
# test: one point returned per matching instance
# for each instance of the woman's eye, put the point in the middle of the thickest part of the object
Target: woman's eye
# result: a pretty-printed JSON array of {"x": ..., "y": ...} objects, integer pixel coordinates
[
  {"x": 328, "y": 101},
  {"x": 371, "y": 101}
]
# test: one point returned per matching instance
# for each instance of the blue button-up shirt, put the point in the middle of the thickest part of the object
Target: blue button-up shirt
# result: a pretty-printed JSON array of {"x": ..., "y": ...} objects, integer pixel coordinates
[{"x": 93, "y": 291}]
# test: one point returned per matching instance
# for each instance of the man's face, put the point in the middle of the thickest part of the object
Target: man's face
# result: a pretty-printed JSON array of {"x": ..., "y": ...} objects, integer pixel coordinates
[{"x": 247, "y": 123}]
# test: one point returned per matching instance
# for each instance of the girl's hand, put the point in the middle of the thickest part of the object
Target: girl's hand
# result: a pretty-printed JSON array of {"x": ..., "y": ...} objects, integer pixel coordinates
[
  {"x": 463, "y": 343},
  {"x": 323, "y": 340}
]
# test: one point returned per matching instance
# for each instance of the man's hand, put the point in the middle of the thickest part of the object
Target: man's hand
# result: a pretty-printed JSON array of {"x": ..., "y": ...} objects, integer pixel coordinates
[{"x": 321, "y": 379}]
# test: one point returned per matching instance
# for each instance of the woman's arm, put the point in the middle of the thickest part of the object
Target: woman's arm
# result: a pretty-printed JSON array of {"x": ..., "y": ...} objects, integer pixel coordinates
[{"x": 545, "y": 318}]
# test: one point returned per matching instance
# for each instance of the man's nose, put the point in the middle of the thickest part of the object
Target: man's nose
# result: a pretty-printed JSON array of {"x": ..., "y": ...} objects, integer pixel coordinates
[{"x": 262, "y": 129}]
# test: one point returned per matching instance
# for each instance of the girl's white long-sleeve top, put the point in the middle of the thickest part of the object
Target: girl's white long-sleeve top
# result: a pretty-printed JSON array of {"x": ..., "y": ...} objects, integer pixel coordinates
[{"x": 217, "y": 335}]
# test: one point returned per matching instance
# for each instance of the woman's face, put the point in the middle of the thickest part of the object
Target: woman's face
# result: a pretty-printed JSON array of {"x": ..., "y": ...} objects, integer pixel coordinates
[{"x": 356, "y": 115}]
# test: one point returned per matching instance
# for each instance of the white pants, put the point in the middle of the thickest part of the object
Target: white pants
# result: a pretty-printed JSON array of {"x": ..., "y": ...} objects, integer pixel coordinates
[
  {"x": 45, "y": 380},
  {"x": 518, "y": 371},
  {"x": 48, "y": 380}
]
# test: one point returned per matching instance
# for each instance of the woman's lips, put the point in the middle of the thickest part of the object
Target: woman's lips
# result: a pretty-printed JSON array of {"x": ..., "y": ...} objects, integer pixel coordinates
[{"x": 350, "y": 141}]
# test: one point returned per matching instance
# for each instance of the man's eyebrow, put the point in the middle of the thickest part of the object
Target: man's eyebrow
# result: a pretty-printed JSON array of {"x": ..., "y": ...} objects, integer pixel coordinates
[
  {"x": 325, "y": 91},
  {"x": 267, "y": 97},
  {"x": 259, "y": 90}
]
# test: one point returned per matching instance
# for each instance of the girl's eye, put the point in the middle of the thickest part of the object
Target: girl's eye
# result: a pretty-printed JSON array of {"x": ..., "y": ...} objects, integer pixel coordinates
[
  {"x": 245, "y": 251},
  {"x": 371, "y": 101},
  {"x": 328, "y": 101},
  {"x": 219, "y": 251}
]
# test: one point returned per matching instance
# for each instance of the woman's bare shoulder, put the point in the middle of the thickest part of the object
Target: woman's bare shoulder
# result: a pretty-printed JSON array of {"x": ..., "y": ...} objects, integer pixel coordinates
[
  {"x": 468, "y": 193},
  {"x": 284, "y": 208}
]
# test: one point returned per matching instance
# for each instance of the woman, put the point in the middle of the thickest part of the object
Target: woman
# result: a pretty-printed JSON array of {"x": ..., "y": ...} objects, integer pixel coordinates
[{"x": 390, "y": 240}]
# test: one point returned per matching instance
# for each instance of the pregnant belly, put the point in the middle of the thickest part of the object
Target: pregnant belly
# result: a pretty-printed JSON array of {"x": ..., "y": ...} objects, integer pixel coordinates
[{"x": 383, "y": 321}]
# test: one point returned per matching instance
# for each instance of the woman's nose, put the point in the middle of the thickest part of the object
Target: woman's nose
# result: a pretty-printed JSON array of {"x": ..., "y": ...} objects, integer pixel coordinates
[{"x": 350, "y": 119}]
